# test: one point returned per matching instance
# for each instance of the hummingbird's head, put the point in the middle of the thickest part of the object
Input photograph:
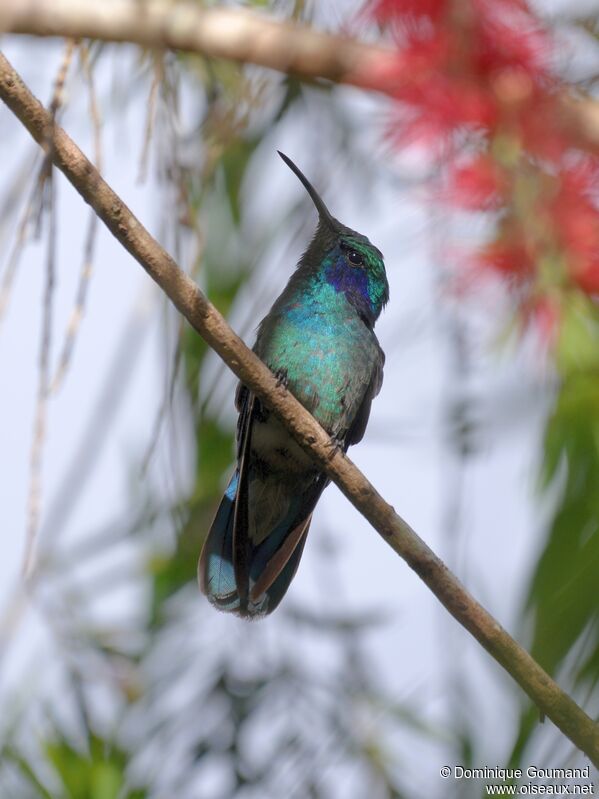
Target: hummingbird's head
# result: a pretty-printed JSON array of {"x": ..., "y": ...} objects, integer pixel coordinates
[{"x": 345, "y": 259}]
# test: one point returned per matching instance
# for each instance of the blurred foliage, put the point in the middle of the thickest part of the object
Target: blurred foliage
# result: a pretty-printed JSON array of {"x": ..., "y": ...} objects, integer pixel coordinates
[
  {"x": 562, "y": 609},
  {"x": 563, "y": 596},
  {"x": 564, "y": 592},
  {"x": 98, "y": 773}
]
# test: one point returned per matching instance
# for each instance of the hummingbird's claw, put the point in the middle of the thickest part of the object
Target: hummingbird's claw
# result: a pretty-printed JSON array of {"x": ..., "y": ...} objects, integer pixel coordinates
[
  {"x": 336, "y": 446},
  {"x": 282, "y": 378}
]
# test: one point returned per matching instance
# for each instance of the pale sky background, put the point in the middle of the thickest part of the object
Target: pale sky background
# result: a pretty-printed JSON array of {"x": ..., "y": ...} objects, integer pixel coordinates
[{"x": 405, "y": 452}]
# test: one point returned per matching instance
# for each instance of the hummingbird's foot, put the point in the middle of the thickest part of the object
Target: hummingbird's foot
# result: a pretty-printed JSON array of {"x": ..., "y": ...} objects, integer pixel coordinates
[
  {"x": 282, "y": 379},
  {"x": 336, "y": 446}
]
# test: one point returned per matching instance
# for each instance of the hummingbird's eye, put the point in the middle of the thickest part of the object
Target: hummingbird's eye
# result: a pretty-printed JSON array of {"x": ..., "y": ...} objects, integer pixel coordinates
[{"x": 354, "y": 257}]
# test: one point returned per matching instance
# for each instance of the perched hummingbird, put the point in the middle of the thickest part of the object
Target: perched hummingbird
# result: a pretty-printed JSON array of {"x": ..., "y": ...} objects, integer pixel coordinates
[{"x": 318, "y": 339}]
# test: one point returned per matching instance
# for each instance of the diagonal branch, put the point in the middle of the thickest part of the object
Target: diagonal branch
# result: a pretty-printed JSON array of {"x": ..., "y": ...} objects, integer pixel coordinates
[
  {"x": 237, "y": 34},
  {"x": 207, "y": 321},
  {"x": 232, "y": 33}
]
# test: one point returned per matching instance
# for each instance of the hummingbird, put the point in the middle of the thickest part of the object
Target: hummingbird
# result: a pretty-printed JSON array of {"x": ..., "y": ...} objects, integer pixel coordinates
[{"x": 318, "y": 340}]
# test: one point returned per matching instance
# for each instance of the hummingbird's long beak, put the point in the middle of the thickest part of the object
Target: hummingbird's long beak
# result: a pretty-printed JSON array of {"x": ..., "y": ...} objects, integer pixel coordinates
[{"x": 323, "y": 211}]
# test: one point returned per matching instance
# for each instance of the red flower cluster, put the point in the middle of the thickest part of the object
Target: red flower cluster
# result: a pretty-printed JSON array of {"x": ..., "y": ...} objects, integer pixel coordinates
[
  {"x": 456, "y": 57},
  {"x": 474, "y": 75}
]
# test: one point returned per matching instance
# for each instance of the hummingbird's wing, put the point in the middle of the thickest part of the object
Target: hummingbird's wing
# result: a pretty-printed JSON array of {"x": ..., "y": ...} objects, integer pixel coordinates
[
  {"x": 238, "y": 571},
  {"x": 358, "y": 426},
  {"x": 241, "y": 541},
  {"x": 265, "y": 563},
  {"x": 219, "y": 571},
  {"x": 216, "y": 574}
]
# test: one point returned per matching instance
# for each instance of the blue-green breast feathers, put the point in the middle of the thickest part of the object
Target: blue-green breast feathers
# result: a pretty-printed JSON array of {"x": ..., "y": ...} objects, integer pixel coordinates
[
  {"x": 324, "y": 350},
  {"x": 318, "y": 338}
]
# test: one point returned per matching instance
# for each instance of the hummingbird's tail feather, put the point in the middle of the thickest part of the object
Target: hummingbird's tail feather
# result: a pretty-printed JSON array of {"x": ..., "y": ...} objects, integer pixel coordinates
[
  {"x": 272, "y": 561},
  {"x": 290, "y": 549},
  {"x": 216, "y": 574}
]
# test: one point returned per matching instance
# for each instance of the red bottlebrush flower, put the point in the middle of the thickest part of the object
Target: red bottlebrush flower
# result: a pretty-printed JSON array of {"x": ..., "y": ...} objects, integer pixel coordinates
[
  {"x": 508, "y": 36},
  {"x": 416, "y": 63},
  {"x": 574, "y": 216},
  {"x": 481, "y": 67},
  {"x": 539, "y": 125},
  {"x": 385, "y": 11},
  {"x": 507, "y": 257},
  {"x": 448, "y": 54},
  {"x": 543, "y": 314},
  {"x": 434, "y": 109},
  {"x": 587, "y": 278},
  {"x": 577, "y": 228},
  {"x": 477, "y": 185}
]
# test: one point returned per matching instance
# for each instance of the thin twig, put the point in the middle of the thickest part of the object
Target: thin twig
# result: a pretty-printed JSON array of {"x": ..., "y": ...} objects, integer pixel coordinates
[
  {"x": 47, "y": 195},
  {"x": 16, "y": 252},
  {"x": 90, "y": 240},
  {"x": 12, "y": 194},
  {"x": 174, "y": 169},
  {"x": 157, "y": 77},
  {"x": 56, "y": 103},
  {"x": 41, "y": 410},
  {"x": 551, "y": 700},
  {"x": 166, "y": 403}
]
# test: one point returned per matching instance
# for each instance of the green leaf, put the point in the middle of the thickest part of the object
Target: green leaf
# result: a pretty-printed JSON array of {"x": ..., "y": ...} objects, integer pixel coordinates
[
  {"x": 563, "y": 597},
  {"x": 578, "y": 342}
]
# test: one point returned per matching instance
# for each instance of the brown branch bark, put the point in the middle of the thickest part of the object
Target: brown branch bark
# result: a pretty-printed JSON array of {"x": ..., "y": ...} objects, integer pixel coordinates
[
  {"x": 208, "y": 322},
  {"x": 232, "y": 33},
  {"x": 235, "y": 34}
]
